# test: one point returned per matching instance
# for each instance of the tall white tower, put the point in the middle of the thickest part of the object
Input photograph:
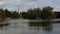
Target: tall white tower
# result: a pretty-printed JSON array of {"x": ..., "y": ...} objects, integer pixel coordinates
[{"x": 19, "y": 6}]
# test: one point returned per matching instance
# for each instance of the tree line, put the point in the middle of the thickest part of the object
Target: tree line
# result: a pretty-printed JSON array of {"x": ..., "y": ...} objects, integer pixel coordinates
[
  {"x": 37, "y": 13},
  {"x": 8, "y": 14}
]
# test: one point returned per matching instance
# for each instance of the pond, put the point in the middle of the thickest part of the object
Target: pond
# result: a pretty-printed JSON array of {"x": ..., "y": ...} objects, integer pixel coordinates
[{"x": 25, "y": 28}]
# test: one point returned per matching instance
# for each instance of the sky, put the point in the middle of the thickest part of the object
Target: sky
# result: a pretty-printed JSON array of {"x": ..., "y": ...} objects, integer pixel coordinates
[{"x": 12, "y": 5}]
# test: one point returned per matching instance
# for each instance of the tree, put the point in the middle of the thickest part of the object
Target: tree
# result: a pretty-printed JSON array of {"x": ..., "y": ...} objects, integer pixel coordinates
[
  {"x": 37, "y": 13},
  {"x": 15, "y": 15},
  {"x": 47, "y": 13},
  {"x": 1, "y": 13},
  {"x": 25, "y": 15},
  {"x": 34, "y": 13},
  {"x": 7, "y": 13}
]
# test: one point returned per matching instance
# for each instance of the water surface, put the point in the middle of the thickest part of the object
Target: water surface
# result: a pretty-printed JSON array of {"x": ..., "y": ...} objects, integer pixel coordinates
[{"x": 24, "y": 28}]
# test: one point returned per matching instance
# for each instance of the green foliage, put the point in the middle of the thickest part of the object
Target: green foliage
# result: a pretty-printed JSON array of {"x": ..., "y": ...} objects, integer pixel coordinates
[
  {"x": 25, "y": 15},
  {"x": 8, "y": 14},
  {"x": 32, "y": 13},
  {"x": 15, "y": 15},
  {"x": 1, "y": 13},
  {"x": 37, "y": 13},
  {"x": 47, "y": 13}
]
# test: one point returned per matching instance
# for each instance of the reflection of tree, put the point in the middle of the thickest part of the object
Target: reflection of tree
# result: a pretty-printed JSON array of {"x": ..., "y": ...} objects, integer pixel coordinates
[
  {"x": 4, "y": 23},
  {"x": 1, "y": 28},
  {"x": 34, "y": 28},
  {"x": 35, "y": 24},
  {"x": 47, "y": 29},
  {"x": 46, "y": 25},
  {"x": 43, "y": 23}
]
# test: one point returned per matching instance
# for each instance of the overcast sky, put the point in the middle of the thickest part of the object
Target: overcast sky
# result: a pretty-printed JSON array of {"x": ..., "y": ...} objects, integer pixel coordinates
[{"x": 27, "y": 4}]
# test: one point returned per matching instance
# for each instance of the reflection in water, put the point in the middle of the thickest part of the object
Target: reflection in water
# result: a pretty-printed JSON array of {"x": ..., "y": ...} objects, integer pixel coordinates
[
  {"x": 18, "y": 25},
  {"x": 48, "y": 29},
  {"x": 3, "y": 24},
  {"x": 1, "y": 28},
  {"x": 44, "y": 25},
  {"x": 28, "y": 27}
]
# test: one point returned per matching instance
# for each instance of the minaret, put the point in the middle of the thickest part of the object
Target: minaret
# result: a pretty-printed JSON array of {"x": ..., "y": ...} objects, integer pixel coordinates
[{"x": 18, "y": 6}]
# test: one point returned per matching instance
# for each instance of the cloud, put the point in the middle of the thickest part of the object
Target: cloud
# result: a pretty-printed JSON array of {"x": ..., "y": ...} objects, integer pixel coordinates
[
  {"x": 57, "y": 8},
  {"x": 33, "y": 3},
  {"x": 26, "y": 4},
  {"x": 29, "y": 3},
  {"x": 2, "y": 2},
  {"x": 8, "y": 1},
  {"x": 10, "y": 9}
]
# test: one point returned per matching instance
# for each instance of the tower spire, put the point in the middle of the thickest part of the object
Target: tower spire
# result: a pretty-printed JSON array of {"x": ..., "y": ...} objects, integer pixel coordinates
[{"x": 18, "y": 6}]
